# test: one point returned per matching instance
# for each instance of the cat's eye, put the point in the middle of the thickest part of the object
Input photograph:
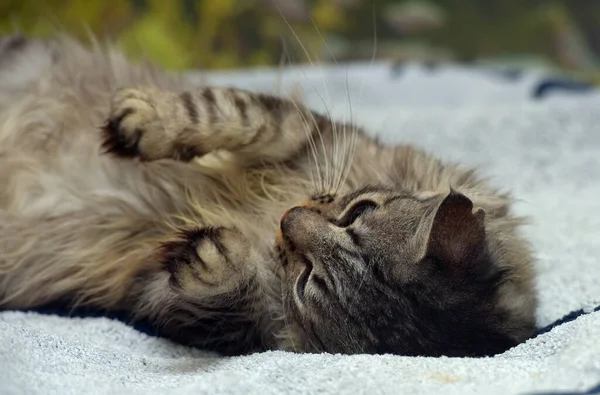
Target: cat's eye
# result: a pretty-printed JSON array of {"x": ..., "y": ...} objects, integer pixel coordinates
[{"x": 356, "y": 211}]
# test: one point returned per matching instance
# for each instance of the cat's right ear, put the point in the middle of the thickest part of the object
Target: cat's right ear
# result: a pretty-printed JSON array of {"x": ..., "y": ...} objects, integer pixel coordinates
[{"x": 457, "y": 235}]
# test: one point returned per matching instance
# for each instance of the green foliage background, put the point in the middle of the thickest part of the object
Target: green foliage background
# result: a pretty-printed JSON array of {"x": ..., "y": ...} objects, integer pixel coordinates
[{"x": 182, "y": 34}]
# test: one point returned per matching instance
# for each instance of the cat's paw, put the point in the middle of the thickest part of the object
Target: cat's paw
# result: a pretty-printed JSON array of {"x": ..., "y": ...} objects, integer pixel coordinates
[
  {"x": 146, "y": 123},
  {"x": 207, "y": 260}
]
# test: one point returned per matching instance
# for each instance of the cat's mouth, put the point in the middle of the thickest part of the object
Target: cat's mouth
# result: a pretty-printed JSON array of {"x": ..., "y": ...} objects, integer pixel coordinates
[{"x": 289, "y": 253}]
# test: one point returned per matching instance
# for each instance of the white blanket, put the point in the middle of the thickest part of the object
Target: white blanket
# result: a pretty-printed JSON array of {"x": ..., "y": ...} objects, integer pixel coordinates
[{"x": 546, "y": 151}]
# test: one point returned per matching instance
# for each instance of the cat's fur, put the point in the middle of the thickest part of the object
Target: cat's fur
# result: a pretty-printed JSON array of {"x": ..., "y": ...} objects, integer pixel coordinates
[{"x": 182, "y": 221}]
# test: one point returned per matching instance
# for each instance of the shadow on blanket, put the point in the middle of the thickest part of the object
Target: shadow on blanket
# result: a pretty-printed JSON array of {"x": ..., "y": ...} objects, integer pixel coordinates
[{"x": 147, "y": 328}]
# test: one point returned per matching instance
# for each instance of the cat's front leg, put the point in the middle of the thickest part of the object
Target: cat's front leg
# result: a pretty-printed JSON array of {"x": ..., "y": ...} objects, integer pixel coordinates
[
  {"x": 203, "y": 262},
  {"x": 152, "y": 124},
  {"x": 215, "y": 292}
]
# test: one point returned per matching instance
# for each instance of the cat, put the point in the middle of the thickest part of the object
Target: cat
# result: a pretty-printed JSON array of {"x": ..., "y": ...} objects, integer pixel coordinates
[{"x": 240, "y": 222}]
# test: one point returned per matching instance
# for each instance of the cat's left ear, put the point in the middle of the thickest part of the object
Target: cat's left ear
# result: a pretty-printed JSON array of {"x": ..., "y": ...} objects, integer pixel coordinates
[{"x": 457, "y": 235}]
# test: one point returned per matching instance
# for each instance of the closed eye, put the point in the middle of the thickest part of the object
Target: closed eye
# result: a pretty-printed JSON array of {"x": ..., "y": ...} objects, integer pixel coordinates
[{"x": 356, "y": 211}]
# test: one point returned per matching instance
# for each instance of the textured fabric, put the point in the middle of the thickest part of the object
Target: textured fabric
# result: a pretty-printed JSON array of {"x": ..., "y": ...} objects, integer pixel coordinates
[{"x": 546, "y": 151}]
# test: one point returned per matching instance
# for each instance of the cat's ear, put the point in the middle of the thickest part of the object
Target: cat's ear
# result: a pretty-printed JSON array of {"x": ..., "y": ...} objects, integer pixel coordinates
[{"x": 457, "y": 235}]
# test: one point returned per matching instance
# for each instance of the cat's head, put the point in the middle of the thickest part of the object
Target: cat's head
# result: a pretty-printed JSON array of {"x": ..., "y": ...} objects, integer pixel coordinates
[{"x": 387, "y": 271}]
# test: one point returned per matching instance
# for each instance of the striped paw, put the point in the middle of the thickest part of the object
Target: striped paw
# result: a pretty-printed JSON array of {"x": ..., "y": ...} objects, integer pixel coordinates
[
  {"x": 146, "y": 123},
  {"x": 205, "y": 261}
]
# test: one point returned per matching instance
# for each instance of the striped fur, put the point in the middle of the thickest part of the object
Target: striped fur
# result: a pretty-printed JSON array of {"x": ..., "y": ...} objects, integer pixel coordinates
[{"x": 127, "y": 189}]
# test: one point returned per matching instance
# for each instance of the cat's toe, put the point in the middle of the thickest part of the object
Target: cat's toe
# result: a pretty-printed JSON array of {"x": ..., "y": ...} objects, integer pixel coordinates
[
  {"x": 134, "y": 128},
  {"x": 118, "y": 140},
  {"x": 206, "y": 259}
]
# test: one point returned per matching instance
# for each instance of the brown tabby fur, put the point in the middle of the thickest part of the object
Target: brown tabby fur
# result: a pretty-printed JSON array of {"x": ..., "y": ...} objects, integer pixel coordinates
[{"x": 180, "y": 222}]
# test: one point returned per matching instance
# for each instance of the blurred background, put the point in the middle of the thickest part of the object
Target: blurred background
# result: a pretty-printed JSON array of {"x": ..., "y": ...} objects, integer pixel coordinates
[{"x": 222, "y": 34}]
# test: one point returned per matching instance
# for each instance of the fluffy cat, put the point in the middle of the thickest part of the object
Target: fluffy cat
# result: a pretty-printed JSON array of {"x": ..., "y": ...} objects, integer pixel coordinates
[{"x": 241, "y": 222}]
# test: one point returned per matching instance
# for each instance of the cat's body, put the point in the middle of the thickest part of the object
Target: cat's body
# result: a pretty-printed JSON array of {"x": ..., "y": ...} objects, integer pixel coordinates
[{"x": 202, "y": 247}]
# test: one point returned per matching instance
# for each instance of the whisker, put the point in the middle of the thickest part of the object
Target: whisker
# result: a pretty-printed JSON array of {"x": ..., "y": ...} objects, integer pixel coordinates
[
  {"x": 312, "y": 145},
  {"x": 310, "y": 61},
  {"x": 349, "y": 157},
  {"x": 313, "y": 157},
  {"x": 329, "y": 176},
  {"x": 325, "y": 156},
  {"x": 346, "y": 153},
  {"x": 347, "y": 163},
  {"x": 311, "y": 140},
  {"x": 282, "y": 63},
  {"x": 337, "y": 169},
  {"x": 329, "y": 166},
  {"x": 296, "y": 36},
  {"x": 334, "y": 155},
  {"x": 338, "y": 164}
]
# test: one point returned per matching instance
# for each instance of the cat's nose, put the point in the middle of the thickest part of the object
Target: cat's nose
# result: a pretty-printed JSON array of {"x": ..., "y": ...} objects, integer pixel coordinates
[
  {"x": 291, "y": 216},
  {"x": 303, "y": 226},
  {"x": 297, "y": 206},
  {"x": 285, "y": 214}
]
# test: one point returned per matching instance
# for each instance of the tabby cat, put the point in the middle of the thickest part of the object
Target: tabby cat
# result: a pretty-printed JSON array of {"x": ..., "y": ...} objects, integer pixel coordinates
[{"x": 239, "y": 222}]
